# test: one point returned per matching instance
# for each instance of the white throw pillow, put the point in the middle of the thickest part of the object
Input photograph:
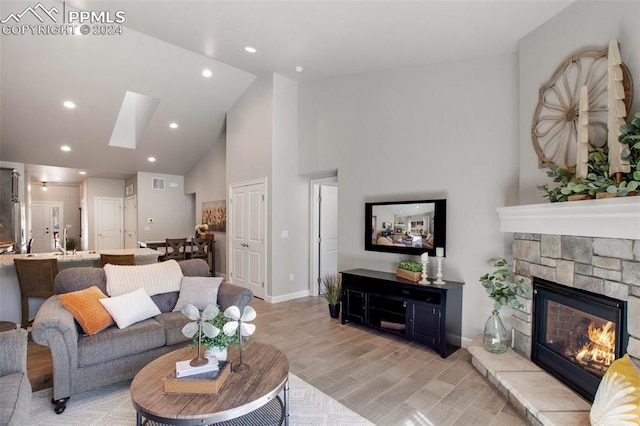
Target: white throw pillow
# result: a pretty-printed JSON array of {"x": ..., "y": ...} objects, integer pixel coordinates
[
  {"x": 155, "y": 278},
  {"x": 130, "y": 308},
  {"x": 199, "y": 292}
]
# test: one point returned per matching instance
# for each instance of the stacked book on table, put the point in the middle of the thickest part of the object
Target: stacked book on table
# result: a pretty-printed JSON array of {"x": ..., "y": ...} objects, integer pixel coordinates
[{"x": 207, "y": 379}]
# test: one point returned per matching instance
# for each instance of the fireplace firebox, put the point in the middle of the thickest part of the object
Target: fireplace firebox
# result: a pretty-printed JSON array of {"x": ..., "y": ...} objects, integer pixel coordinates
[{"x": 576, "y": 334}]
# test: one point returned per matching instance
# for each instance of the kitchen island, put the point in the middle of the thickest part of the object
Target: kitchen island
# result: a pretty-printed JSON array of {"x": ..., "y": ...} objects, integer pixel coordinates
[{"x": 10, "y": 306}]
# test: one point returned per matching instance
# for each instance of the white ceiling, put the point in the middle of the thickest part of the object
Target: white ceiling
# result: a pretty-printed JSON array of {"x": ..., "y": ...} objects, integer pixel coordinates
[{"x": 166, "y": 44}]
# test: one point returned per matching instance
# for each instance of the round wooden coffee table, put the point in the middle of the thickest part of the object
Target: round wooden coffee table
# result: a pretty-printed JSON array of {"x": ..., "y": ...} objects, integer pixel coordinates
[{"x": 250, "y": 398}]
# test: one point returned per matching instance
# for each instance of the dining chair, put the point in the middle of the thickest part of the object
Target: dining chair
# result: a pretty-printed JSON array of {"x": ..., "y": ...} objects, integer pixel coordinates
[
  {"x": 199, "y": 248},
  {"x": 36, "y": 278},
  {"x": 118, "y": 259},
  {"x": 175, "y": 249}
]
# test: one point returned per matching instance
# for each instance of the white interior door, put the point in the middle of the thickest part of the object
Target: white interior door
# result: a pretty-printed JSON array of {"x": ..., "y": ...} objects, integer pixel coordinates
[
  {"x": 109, "y": 218},
  {"x": 247, "y": 236},
  {"x": 328, "y": 230},
  {"x": 130, "y": 222},
  {"x": 46, "y": 218}
]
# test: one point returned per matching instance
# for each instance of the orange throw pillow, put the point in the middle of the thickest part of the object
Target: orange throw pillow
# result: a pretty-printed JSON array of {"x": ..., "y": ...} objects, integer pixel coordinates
[{"x": 87, "y": 310}]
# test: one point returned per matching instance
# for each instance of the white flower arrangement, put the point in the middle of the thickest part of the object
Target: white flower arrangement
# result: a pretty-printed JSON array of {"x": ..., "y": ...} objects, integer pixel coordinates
[{"x": 202, "y": 228}]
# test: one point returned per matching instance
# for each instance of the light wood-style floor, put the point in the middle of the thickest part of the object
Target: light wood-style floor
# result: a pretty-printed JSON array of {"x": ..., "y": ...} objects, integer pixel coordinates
[{"x": 388, "y": 380}]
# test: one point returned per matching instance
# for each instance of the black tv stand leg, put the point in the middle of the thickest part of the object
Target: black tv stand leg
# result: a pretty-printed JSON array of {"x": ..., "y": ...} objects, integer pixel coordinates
[{"x": 60, "y": 404}]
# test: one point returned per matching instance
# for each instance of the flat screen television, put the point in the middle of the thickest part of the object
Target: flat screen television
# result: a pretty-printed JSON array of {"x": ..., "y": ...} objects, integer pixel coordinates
[{"x": 408, "y": 227}]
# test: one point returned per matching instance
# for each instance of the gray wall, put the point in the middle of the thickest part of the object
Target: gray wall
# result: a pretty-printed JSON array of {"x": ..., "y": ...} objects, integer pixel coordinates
[
  {"x": 447, "y": 130},
  {"x": 208, "y": 181},
  {"x": 584, "y": 24},
  {"x": 172, "y": 210}
]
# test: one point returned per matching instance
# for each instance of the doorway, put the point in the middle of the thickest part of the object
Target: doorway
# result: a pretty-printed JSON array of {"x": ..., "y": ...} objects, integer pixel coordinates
[
  {"x": 130, "y": 222},
  {"x": 46, "y": 217},
  {"x": 247, "y": 236},
  {"x": 324, "y": 230}
]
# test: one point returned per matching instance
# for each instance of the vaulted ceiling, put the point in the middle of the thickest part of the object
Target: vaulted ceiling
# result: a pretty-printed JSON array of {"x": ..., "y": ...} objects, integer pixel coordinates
[{"x": 165, "y": 46}]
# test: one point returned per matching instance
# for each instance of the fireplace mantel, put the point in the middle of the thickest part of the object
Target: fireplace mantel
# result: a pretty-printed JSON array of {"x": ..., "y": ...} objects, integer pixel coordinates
[{"x": 605, "y": 218}]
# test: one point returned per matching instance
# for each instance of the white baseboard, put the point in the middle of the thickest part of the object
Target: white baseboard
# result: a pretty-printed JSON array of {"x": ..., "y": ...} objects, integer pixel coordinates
[{"x": 286, "y": 297}]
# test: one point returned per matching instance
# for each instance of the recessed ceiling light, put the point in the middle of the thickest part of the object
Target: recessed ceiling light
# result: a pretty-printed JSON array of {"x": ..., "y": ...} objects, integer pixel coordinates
[
  {"x": 250, "y": 49},
  {"x": 82, "y": 173},
  {"x": 298, "y": 68},
  {"x": 69, "y": 104},
  {"x": 65, "y": 148},
  {"x": 207, "y": 73},
  {"x": 173, "y": 125},
  {"x": 151, "y": 159}
]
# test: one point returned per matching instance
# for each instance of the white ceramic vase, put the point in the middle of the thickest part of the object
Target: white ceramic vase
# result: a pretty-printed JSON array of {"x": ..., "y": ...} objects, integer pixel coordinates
[{"x": 220, "y": 354}]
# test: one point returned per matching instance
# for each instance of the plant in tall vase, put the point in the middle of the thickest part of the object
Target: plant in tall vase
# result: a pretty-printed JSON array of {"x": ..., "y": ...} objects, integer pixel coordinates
[
  {"x": 332, "y": 287},
  {"x": 504, "y": 292}
]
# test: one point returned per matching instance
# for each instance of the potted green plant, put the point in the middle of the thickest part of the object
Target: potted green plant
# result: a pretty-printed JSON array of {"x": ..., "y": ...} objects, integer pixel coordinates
[
  {"x": 217, "y": 346},
  {"x": 409, "y": 270},
  {"x": 332, "y": 287},
  {"x": 503, "y": 291}
]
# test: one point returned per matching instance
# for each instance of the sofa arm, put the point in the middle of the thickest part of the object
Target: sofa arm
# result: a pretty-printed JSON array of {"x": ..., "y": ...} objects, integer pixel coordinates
[
  {"x": 54, "y": 326},
  {"x": 13, "y": 351},
  {"x": 233, "y": 295}
]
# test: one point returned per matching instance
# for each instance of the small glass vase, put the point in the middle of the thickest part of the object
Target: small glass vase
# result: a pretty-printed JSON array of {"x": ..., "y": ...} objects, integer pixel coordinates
[{"x": 495, "y": 337}]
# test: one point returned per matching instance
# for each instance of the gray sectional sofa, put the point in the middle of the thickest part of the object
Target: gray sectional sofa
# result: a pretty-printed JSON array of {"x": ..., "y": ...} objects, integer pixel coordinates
[
  {"x": 82, "y": 362},
  {"x": 15, "y": 389}
]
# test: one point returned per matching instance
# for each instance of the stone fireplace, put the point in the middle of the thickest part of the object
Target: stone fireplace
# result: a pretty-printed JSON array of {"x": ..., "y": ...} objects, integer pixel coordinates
[{"x": 591, "y": 245}]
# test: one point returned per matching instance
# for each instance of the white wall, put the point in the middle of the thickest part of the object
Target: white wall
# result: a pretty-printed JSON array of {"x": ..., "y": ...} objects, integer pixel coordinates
[
  {"x": 290, "y": 197},
  {"x": 447, "y": 130},
  {"x": 172, "y": 211},
  {"x": 208, "y": 181},
  {"x": 584, "y": 24}
]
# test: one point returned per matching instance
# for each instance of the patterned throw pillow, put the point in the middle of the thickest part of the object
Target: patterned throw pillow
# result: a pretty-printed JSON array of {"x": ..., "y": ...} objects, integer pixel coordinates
[
  {"x": 86, "y": 308},
  {"x": 617, "y": 401}
]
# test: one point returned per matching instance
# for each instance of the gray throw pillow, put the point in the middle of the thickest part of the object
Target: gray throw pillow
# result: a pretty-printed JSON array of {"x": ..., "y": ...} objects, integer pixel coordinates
[{"x": 198, "y": 291}]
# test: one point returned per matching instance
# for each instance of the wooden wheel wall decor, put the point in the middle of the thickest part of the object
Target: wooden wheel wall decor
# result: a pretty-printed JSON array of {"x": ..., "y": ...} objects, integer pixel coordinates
[{"x": 554, "y": 129}]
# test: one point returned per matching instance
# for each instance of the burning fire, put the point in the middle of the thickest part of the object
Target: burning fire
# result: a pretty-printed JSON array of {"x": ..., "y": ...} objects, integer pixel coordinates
[{"x": 601, "y": 348}]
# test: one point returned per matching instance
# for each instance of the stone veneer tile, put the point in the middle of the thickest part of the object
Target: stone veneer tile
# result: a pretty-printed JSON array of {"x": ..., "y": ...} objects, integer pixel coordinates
[
  {"x": 592, "y": 284},
  {"x": 607, "y": 262},
  {"x": 636, "y": 250},
  {"x": 520, "y": 325},
  {"x": 631, "y": 273},
  {"x": 633, "y": 348},
  {"x": 574, "y": 418},
  {"x": 508, "y": 361},
  {"x": 583, "y": 269},
  {"x": 521, "y": 267},
  {"x": 522, "y": 344},
  {"x": 616, "y": 290},
  {"x": 579, "y": 249},
  {"x": 526, "y": 386},
  {"x": 527, "y": 250},
  {"x": 546, "y": 261},
  {"x": 544, "y": 272},
  {"x": 612, "y": 247},
  {"x": 634, "y": 290},
  {"x": 633, "y": 306},
  {"x": 550, "y": 246},
  {"x": 607, "y": 274},
  {"x": 564, "y": 272}
]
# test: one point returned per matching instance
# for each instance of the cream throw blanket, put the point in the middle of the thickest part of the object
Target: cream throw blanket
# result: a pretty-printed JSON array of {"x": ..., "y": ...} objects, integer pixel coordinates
[{"x": 156, "y": 278}]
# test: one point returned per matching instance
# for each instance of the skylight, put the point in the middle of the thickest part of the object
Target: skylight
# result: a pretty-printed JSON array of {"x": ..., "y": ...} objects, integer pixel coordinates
[{"x": 134, "y": 116}]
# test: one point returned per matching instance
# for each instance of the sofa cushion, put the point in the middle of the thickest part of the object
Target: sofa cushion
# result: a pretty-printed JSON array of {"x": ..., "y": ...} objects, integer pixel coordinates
[
  {"x": 87, "y": 310},
  {"x": 155, "y": 278},
  {"x": 198, "y": 291},
  {"x": 173, "y": 323},
  {"x": 15, "y": 399},
  {"x": 114, "y": 343},
  {"x": 130, "y": 308}
]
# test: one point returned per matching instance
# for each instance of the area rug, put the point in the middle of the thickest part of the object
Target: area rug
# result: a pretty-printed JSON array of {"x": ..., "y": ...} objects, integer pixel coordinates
[{"x": 111, "y": 405}]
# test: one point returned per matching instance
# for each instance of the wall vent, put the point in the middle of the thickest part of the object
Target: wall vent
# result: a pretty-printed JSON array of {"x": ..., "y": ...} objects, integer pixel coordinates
[{"x": 157, "y": 183}]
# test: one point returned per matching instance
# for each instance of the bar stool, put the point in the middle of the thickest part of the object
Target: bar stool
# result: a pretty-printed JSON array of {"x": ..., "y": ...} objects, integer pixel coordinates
[
  {"x": 36, "y": 278},
  {"x": 117, "y": 259}
]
